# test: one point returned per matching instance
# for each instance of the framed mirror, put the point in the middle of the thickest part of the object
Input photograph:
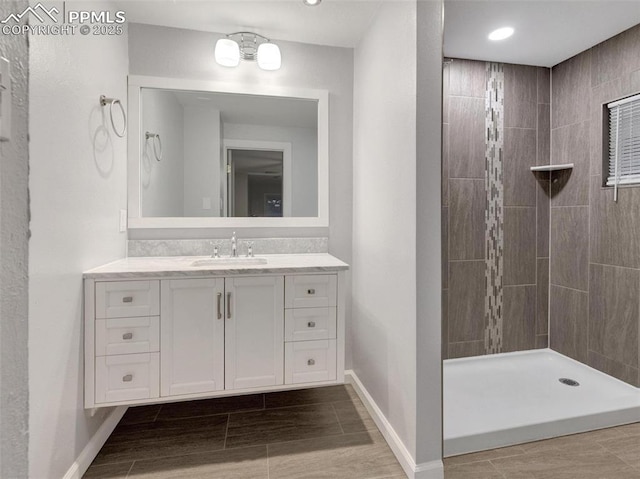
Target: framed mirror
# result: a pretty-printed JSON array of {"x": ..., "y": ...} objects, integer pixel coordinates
[{"x": 205, "y": 154}]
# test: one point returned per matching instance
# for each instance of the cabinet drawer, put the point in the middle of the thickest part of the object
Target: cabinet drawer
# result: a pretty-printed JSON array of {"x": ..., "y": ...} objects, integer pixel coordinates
[
  {"x": 308, "y": 324},
  {"x": 127, "y": 377},
  {"x": 310, "y": 361},
  {"x": 127, "y": 336},
  {"x": 310, "y": 291},
  {"x": 122, "y": 299}
]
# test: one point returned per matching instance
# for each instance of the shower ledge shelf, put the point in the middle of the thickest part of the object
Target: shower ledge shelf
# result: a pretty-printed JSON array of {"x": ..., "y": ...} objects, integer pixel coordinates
[{"x": 565, "y": 166}]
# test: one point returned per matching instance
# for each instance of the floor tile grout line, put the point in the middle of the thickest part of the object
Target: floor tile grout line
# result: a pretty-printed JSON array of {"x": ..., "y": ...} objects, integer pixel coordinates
[
  {"x": 130, "y": 468},
  {"x": 157, "y": 414},
  {"x": 337, "y": 417},
  {"x": 226, "y": 432}
]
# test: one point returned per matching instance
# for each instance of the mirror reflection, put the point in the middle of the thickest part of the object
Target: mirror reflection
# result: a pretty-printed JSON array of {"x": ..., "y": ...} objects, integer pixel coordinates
[{"x": 207, "y": 154}]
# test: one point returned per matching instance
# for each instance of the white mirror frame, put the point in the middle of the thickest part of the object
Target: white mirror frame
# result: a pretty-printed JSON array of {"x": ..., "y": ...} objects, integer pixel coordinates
[{"x": 136, "y": 221}]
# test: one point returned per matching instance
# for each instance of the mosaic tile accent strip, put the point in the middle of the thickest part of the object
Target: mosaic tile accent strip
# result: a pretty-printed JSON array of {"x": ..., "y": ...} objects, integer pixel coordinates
[{"x": 494, "y": 210}]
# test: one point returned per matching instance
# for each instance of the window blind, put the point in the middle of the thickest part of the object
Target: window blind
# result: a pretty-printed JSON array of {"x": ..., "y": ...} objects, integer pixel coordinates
[{"x": 624, "y": 142}]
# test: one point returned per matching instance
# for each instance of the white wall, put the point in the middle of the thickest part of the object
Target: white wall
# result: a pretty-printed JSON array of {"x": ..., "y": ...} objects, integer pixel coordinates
[
  {"x": 77, "y": 184},
  {"x": 201, "y": 160},
  {"x": 162, "y": 182},
  {"x": 383, "y": 329},
  {"x": 14, "y": 225},
  {"x": 304, "y": 159}
]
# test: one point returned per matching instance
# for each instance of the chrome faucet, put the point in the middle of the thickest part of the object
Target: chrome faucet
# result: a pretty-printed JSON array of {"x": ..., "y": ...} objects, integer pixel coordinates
[{"x": 234, "y": 246}]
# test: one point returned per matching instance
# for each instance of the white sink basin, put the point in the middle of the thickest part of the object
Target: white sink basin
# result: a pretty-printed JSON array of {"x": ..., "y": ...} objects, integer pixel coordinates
[{"x": 240, "y": 260}]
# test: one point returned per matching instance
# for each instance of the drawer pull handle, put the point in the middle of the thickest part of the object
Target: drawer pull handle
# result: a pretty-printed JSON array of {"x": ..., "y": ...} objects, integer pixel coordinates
[
  {"x": 128, "y": 378},
  {"x": 311, "y": 291},
  {"x": 228, "y": 305},
  {"x": 311, "y": 324},
  {"x": 219, "y": 296},
  {"x": 127, "y": 299},
  {"x": 127, "y": 336},
  {"x": 311, "y": 362}
]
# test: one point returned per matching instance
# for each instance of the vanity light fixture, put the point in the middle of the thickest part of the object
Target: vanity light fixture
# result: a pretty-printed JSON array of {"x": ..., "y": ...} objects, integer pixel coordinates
[
  {"x": 311, "y": 3},
  {"x": 501, "y": 33},
  {"x": 248, "y": 46}
]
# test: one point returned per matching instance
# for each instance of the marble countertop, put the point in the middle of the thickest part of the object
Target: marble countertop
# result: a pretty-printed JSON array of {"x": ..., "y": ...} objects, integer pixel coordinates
[{"x": 172, "y": 266}]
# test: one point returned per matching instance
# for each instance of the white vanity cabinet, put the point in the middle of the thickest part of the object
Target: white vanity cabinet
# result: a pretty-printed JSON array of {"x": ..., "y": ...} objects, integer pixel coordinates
[{"x": 195, "y": 336}]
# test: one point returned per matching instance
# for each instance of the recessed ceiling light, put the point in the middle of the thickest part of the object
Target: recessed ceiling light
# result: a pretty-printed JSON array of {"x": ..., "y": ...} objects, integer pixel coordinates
[
  {"x": 311, "y": 3},
  {"x": 501, "y": 33}
]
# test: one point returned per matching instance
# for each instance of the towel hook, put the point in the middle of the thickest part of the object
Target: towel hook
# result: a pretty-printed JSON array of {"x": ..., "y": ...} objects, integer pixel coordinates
[
  {"x": 112, "y": 101},
  {"x": 157, "y": 145}
]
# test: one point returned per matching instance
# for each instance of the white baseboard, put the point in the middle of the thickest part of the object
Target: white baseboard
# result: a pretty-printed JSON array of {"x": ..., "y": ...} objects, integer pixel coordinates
[
  {"x": 91, "y": 450},
  {"x": 427, "y": 470}
]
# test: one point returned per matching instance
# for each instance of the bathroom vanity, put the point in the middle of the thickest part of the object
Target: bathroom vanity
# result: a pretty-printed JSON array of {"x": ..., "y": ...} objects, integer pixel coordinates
[{"x": 174, "y": 328}]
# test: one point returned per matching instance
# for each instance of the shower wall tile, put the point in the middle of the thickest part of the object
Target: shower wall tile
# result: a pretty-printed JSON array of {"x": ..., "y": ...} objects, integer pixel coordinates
[
  {"x": 600, "y": 96},
  {"x": 466, "y": 349},
  {"x": 623, "y": 372},
  {"x": 615, "y": 227},
  {"x": 542, "y": 301},
  {"x": 568, "y": 332},
  {"x": 542, "y": 341},
  {"x": 519, "y": 246},
  {"x": 544, "y": 85},
  {"x": 466, "y": 219},
  {"x": 614, "y": 310},
  {"x": 543, "y": 154},
  {"x": 519, "y": 156},
  {"x": 571, "y": 81},
  {"x": 543, "y": 193},
  {"x": 570, "y": 144},
  {"x": 466, "y": 129},
  {"x": 468, "y": 78},
  {"x": 570, "y": 247},
  {"x": 445, "y": 324},
  {"x": 519, "y": 318},
  {"x": 520, "y": 96},
  {"x": 445, "y": 247},
  {"x": 466, "y": 301},
  {"x": 445, "y": 164},
  {"x": 446, "y": 73},
  {"x": 616, "y": 57}
]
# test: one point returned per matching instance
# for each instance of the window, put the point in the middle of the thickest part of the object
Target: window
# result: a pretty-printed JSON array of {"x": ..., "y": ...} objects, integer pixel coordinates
[{"x": 622, "y": 163}]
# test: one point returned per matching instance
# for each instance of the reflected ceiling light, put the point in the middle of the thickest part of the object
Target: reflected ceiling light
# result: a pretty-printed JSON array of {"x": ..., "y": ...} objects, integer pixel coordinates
[
  {"x": 311, "y": 3},
  {"x": 501, "y": 33},
  {"x": 250, "y": 47}
]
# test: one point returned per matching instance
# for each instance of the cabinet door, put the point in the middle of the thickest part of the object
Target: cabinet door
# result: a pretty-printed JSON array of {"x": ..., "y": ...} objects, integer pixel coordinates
[
  {"x": 191, "y": 336},
  {"x": 254, "y": 352}
]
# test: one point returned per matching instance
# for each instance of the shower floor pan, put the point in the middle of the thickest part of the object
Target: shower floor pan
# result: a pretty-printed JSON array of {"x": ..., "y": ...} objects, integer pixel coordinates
[{"x": 511, "y": 398}]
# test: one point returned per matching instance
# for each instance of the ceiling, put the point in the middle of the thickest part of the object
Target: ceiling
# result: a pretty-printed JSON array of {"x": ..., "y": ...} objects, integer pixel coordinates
[{"x": 547, "y": 31}]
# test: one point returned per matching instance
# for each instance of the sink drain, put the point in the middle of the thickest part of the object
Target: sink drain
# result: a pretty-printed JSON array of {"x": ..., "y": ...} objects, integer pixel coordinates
[{"x": 569, "y": 382}]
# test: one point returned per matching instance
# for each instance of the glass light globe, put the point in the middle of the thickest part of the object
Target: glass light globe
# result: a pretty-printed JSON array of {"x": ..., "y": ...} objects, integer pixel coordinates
[
  {"x": 227, "y": 53},
  {"x": 269, "y": 57}
]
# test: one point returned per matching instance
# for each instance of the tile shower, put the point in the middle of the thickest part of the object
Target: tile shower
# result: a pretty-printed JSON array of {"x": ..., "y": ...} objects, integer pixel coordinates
[{"x": 528, "y": 262}]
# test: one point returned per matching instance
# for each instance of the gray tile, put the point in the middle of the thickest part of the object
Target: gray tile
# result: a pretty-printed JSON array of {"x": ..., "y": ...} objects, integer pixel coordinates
[
  {"x": 108, "y": 471},
  {"x": 208, "y": 407},
  {"x": 623, "y": 372},
  {"x": 626, "y": 448},
  {"x": 600, "y": 96},
  {"x": 140, "y": 414},
  {"x": 519, "y": 322},
  {"x": 519, "y": 246},
  {"x": 569, "y": 316},
  {"x": 245, "y": 463},
  {"x": 445, "y": 165},
  {"x": 468, "y": 78},
  {"x": 466, "y": 219},
  {"x": 354, "y": 417},
  {"x": 616, "y": 57},
  {"x": 445, "y": 248},
  {"x": 300, "y": 397},
  {"x": 445, "y": 93},
  {"x": 466, "y": 301},
  {"x": 571, "y": 90},
  {"x": 445, "y": 324},
  {"x": 543, "y": 192},
  {"x": 483, "y": 456},
  {"x": 477, "y": 470},
  {"x": 519, "y": 157},
  {"x": 634, "y": 80},
  {"x": 544, "y": 85},
  {"x": 282, "y": 424},
  {"x": 466, "y": 125},
  {"x": 615, "y": 227},
  {"x": 520, "y": 96},
  {"x": 614, "y": 312},
  {"x": 570, "y": 144},
  {"x": 466, "y": 349},
  {"x": 570, "y": 247},
  {"x": 351, "y": 456},
  {"x": 544, "y": 135},
  {"x": 542, "y": 341},
  {"x": 542, "y": 300}
]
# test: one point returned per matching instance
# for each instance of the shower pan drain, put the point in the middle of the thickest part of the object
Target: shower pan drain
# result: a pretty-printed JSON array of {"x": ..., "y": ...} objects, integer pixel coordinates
[{"x": 569, "y": 382}]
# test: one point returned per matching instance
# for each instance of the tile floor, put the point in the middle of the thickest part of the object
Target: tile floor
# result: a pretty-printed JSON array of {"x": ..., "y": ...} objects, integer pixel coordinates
[{"x": 326, "y": 433}]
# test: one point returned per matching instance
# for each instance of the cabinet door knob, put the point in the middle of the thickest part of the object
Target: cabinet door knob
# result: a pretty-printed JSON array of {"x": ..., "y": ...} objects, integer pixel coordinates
[
  {"x": 311, "y": 324},
  {"x": 127, "y": 299},
  {"x": 128, "y": 378},
  {"x": 311, "y": 291},
  {"x": 127, "y": 336},
  {"x": 311, "y": 362}
]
